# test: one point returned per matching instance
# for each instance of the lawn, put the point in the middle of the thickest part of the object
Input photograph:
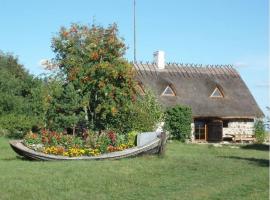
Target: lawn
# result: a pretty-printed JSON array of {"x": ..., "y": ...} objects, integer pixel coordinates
[{"x": 185, "y": 172}]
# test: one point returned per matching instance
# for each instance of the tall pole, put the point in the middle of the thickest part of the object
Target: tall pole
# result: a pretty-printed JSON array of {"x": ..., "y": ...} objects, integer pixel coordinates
[{"x": 134, "y": 27}]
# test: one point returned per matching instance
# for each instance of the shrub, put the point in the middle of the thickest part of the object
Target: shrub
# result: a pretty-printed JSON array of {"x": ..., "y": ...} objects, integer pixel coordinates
[
  {"x": 259, "y": 131},
  {"x": 140, "y": 116},
  {"x": 103, "y": 142},
  {"x": 91, "y": 138},
  {"x": 178, "y": 122},
  {"x": 32, "y": 138},
  {"x": 4, "y": 132},
  {"x": 52, "y": 138},
  {"x": 132, "y": 137},
  {"x": 17, "y": 125}
]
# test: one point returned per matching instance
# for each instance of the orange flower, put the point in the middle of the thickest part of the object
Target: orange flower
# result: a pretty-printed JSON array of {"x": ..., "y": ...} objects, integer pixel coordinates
[
  {"x": 114, "y": 110},
  {"x": 94, "y": 56},
  {"x": 65, "y": 34}
]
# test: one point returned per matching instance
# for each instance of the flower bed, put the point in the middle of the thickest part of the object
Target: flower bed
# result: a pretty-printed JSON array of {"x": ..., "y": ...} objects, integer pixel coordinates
[{"x": 51, "y": 142}]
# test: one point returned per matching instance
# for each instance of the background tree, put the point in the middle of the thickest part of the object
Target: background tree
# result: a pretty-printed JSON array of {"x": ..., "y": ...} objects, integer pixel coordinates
[
  {"x": 18, "y": 113},
  {"x": 66, "y": 109}
]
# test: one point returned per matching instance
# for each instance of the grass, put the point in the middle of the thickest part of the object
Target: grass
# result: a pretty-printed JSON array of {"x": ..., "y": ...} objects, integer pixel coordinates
[{"x": 185, "y": 172}]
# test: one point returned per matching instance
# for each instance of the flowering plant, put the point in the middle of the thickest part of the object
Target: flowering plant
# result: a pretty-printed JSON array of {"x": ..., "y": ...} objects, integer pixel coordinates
[{"x": 51, "y": 142}]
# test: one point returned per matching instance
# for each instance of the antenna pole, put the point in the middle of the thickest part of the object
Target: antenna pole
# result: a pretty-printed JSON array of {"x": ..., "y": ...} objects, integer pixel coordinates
[{"x": 134, "y": 28}]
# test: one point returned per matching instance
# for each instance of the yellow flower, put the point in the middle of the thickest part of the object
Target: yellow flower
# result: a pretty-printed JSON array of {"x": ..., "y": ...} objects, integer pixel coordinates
[
  {"x": 65, "y": 154},
  {"x": 82, "y": 151}
]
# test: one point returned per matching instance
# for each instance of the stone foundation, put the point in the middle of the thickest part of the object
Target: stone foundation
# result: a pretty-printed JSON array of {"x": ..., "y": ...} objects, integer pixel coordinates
[
  {"x": 235, "y": 128},
  {"x": 192, "y": 132}
]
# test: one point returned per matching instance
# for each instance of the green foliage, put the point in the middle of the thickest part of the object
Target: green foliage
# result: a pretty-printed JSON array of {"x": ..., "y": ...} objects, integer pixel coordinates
[
  {"x": 91, "y": 59},
  {"x": 17, "y": 124},
  {"x": 32, "y": 139},
  {"x": 103, "y": 142},
  {"x": 259, "y": 131},
  {"x": 132, "y": 137},
  {"x": 120, "y": 139},
  {"x": 4, "y": 132},
  {"x": 19, "y": 110},
  {"x": 178, "y": 122},
  {"x": 65, "y": 109},
  {"x": 142, "y": 115},
  {"x": 52, "y": 138}
]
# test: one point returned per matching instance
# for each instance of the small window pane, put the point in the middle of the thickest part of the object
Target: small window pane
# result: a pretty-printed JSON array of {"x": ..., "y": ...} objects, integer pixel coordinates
[
  {"x": 168, "y": 91},
  {"x": 216, "y": 93}
]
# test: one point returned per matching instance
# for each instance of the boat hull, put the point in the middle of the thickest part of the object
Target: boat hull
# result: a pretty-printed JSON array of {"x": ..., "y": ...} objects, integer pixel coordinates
[{"x": 152, "y": 147}]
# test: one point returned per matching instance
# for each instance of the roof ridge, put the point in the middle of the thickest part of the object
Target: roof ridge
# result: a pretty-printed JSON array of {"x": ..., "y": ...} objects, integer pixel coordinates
[
  {"x": 190, "y": 69},
  {"x": 186, "y": 64}
]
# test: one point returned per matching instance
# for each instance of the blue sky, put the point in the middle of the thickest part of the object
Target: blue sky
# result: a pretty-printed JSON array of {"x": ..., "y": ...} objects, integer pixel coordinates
[{"x": 189, "y": 31}]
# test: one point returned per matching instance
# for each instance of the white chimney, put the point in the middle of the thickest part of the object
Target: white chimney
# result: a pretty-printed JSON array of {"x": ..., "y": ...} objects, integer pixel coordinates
[{"x": 159, "y": 59}]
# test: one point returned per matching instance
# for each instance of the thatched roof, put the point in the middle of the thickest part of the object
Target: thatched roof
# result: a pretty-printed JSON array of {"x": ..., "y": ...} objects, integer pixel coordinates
[{"x": 194, "y": 84}]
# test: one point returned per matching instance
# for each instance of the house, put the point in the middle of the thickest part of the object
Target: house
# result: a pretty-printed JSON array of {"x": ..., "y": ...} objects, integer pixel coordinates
[{"x": 222, "y": 105}]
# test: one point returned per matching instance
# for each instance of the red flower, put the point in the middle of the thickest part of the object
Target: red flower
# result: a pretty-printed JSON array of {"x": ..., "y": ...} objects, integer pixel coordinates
[{"x": 112, "y": 136}]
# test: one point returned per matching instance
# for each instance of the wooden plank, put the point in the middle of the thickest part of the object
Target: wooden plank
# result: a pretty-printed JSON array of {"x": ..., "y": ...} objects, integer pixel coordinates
[
  {"x": 170, "y": 70},
  {"x": 225, "y": 72},
  {"x": 205, "y": 130},
  {"x": 138, "y": 70},
  {"x": 151, "y": 71},
  {"x": 186, "y": 71},
  {"x": 181, "y": 70}
]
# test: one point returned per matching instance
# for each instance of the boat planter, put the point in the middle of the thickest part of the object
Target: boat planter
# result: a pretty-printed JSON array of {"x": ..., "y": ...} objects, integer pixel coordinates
[{"x": 147, "y": 143}]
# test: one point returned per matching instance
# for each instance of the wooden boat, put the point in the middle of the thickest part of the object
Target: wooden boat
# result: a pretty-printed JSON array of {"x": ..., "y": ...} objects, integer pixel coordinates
[{"x": 149, "y": 143}]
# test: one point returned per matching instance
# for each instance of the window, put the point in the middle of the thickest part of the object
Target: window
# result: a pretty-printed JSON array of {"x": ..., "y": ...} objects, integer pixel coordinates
[
  {"x": 225, "y": 123},
  {"x": 168, "y": 91},
  {"x": 217, "y": 93},
  {"x": 200, "y": 130}
]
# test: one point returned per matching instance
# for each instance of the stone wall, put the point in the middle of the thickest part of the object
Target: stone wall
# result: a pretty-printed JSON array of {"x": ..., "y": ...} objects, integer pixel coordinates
[
  {"x": 234, "y": 128},
  {"x": 192, "y": 132}
]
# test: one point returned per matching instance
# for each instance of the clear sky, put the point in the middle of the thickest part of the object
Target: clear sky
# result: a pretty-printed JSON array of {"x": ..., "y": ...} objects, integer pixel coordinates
[{"x": 189, "y": 31}]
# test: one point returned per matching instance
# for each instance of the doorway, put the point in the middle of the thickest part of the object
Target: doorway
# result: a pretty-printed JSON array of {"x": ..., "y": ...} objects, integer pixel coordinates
[
  {"x": 208, "y": 129},
  {"x": 200, "y": 133},
  {"x": 215, "y": 130}
]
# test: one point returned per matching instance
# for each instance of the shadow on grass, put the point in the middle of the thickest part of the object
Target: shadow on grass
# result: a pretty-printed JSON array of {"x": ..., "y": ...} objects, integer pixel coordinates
[
  {"x": 260, "y": 147},
  {"x": 256, "y": 161},
  {"x": 15, "y": 158}
]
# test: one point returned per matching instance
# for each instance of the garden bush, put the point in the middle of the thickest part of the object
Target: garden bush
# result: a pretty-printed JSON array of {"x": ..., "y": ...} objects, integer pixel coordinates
[
  {"x": 142, "y": 115},
  {"x": 259, "y": 131},
  {"x": 16, "y": 126},
  {"x": 178, "y": 122}
]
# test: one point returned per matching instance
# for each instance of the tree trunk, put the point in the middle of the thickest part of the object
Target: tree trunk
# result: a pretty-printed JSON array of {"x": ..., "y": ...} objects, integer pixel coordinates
[
  {"x": 73, "y": 131},
  {"x": 86, "y": 113}
]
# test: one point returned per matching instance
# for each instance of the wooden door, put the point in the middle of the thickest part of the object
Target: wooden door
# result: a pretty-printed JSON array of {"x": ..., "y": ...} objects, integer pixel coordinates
[{"x": 214, "y": 131}]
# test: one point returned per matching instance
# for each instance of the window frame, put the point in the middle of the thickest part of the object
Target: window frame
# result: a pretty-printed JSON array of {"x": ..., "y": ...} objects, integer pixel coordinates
[
  {"x": 169, "y": 95},
  {"x": 217, "y": 88}
]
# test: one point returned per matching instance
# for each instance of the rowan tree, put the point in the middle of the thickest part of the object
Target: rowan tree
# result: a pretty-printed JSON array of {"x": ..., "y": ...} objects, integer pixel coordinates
[{"x": 91, "y": 59}]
